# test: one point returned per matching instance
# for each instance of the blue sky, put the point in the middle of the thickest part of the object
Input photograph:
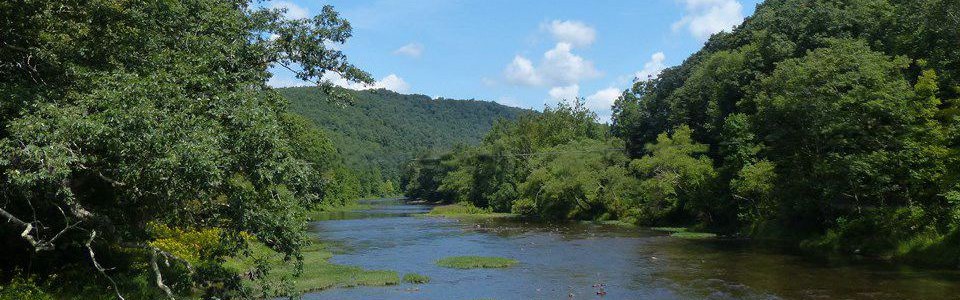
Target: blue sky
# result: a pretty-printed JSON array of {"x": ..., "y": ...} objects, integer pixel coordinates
[{"x": 520, "y": 53}]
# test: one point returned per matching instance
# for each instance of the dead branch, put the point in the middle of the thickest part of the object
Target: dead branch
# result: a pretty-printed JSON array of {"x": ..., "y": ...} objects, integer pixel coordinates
[
  {"x": 156, "y": 270},
  {"x": 93, "y": 258},
  {"x": 37, "y": 244}
]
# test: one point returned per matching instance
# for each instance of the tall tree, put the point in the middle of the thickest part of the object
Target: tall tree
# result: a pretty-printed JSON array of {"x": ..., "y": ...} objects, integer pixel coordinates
[{"x": 122, "y": 116}]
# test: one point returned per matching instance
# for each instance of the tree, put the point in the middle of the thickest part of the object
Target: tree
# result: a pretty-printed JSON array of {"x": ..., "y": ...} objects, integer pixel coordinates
[
  {"x": 676, "y": 177},
  {"x": 124, "y": 116},
  {"x": 581, "y": 180},
  {"x": 840, "y": 124}
]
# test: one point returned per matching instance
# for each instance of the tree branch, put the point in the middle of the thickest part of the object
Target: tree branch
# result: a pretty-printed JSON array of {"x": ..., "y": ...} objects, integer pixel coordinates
[
  {"x": 156, "y": 270},
  {"x": 93, "y": 258}
]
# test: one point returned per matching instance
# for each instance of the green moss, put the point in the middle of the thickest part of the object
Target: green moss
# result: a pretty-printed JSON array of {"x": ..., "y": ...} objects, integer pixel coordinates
[
  {"x": 474, "y": 262},
  {"x": 416, "y": 278},
  {"x": 318, "y": 273},
  {"x": 466, "y": 210}
]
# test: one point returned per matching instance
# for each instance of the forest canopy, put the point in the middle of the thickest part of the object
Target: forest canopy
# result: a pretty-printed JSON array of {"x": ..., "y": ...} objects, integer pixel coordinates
[
  {"x": 380, "y": 130},
  {"x": 140, "y": 145},
  {"x": 831, "y": 123}
]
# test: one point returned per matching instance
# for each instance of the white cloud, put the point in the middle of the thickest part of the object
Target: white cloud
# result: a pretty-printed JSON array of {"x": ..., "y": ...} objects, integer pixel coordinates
[
  {"x": 569, "y": 92},
  {"x": 572, "y": 32},
  {"x": 706, "y": 17},
  {"x": 390, "y": 82},
  {"x": 603, "y": 99},
  {"x": 521, "y": 71},
  {"x": 286, "y": 81},
  {"x": 510, "y": 101},
  {"x": 652, "y": 68},
  {"x": 411, "y": 50},
  {"x": 564, "y": 67},
  {"x": 559, "y": 66},
  {"x": 293, "y": 11}
]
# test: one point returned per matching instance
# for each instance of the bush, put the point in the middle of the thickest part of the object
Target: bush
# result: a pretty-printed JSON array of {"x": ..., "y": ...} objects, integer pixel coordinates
[
  {"x": 23, "y": 289},
  {"x": 524, "y": 207}
]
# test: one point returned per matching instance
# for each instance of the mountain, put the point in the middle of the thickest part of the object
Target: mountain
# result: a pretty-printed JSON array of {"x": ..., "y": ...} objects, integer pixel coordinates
[{"x": 381, "y": 130}]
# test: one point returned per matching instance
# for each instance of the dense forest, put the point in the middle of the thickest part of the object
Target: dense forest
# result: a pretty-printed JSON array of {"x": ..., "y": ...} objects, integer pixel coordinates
[
  {"x": 140, "y": 147},
  {"x": 143, "y": 155},
  {"x": 833, "y": 124},
  {"x": 379, "y": 131}
]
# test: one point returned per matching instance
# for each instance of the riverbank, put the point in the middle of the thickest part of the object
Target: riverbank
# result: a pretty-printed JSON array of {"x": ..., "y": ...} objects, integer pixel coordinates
[{"x": 318, "y": 272}]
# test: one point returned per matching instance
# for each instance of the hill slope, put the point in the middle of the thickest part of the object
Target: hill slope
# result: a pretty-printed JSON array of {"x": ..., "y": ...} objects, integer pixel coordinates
[{"x": 382, "y": 129}]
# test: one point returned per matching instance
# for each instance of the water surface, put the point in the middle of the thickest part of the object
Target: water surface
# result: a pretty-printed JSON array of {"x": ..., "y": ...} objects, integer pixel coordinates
[{"x": 569, "y": 260}]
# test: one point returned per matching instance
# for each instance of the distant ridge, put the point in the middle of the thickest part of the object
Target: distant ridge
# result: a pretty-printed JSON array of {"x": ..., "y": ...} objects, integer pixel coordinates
[{"x": 383, "y": 129}]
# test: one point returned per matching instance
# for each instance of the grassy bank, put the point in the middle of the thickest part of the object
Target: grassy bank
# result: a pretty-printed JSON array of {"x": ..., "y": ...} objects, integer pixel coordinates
[
  {"x": 321, "y": 212},
  {"x": 318, "y": 272},
  {"x": 466, "y": 210}
]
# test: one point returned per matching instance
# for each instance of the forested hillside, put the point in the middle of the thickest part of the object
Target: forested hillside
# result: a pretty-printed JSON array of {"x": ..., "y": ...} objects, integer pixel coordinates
[
  {"x": 380, "y": 130},
  {"x": 830, "y": 123}
]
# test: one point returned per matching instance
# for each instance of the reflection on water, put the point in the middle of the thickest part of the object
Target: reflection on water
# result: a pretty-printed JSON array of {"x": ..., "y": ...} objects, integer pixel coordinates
[{"x": 561, "y": 261}]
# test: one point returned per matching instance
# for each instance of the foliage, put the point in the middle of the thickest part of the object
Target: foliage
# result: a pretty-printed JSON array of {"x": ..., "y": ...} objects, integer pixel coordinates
[
  {"x": 23, "y": 289},
  {"x": 578, "y": 180},
  {"x": 835, "y": 123},
  {"x": 676, "y": 176},
  {"x": 832, "y": 120},
  {"x": 133, "y": 132},
  {"x": 317, "y": 273},
  {"x": 491, "y": 174},
  {"x": 380, "y": 131}
]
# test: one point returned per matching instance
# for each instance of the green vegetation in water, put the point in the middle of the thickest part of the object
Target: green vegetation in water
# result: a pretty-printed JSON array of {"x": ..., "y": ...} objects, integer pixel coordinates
[
  {"x": 685, "y": 233},
  {"x": 476, "y": 262},
  {"x": 466, "y": 210},
  {"x": 416, "y": 278},
  {"x": 318, "y": 272},
  {"x": 611, "y": 223},
  {"x": 670, "y": 229},
  {"x": 693, "y": 235}
]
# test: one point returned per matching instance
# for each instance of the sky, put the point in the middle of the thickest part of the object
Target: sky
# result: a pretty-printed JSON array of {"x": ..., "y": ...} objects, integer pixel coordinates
[{"x": 519, "y": 53}]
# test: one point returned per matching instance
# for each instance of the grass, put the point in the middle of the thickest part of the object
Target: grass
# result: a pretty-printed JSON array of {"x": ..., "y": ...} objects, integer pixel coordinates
[
  {"x": 318, "y": 272},
  {"x": 323, "y": 212},
  {"x": 475, "y": 262},
  {"x": 670, "y": 229},
  {"x": 684, "y": 233},
  {"x": 611, "y": 223},
  {"x": 693, "y": 235},
  {"x": 466, "y": 210},
  {"x": 416, "y": 278}
]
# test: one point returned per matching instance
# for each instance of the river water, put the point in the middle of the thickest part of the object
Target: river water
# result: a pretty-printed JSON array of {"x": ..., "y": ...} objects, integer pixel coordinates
[{"x": 569, "y": 260}]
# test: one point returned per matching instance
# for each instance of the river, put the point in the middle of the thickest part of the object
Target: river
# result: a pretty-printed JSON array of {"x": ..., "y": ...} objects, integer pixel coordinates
[{"x": 568, "y": 260}]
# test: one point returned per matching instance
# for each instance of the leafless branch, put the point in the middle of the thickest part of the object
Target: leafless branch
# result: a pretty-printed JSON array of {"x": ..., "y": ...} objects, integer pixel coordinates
[
  {"x": 93, "y": 258},
  {"x": 156, "y": 270}
]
